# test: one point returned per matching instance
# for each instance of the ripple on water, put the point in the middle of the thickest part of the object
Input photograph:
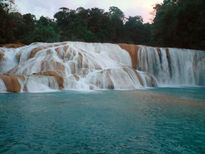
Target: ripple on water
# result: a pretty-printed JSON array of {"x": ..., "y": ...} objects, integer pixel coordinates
[{"x": 142, "y": 121}]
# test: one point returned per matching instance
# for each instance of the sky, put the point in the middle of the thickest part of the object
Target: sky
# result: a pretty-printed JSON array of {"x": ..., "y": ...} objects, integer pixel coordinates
[{"x": 48, "y": 8}]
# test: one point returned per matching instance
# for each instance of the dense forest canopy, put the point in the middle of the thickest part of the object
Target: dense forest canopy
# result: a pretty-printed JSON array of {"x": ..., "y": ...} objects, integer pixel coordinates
[{"x": 178, "y": 23}]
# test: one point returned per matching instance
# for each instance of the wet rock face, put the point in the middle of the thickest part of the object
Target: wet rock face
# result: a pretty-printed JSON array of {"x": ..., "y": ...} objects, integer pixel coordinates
[
  {"x": 11, "y": 82},
  {"x": 1, "y": 55},
  {"x": 12, "y": 45},
  {"x": 58, "y": 78},
  {"x": 133, "y": 52},
  {"x": 37, "y": 49}
]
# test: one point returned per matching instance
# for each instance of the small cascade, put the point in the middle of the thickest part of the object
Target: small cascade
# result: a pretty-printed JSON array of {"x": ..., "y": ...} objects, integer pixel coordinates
[
  {"x": 173, "y": 67},
  {"x": 43, "y": 67}
]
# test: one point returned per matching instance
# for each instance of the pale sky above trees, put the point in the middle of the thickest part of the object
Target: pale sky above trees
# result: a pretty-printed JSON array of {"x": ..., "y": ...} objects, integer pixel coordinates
[{"x": 50, "y": 7}]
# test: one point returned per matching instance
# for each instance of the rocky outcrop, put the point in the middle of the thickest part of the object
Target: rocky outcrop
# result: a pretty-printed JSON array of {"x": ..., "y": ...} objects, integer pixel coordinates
[
  {"x": 133, "y": 52},
  {"x": 137, "y": 74},
  {"x": 169, "y": 61},
  {"x": 53, "y": 66},
  {"x": 11, "y": 81},
  {"x": 160, "y": 55},
  {"x": 37, "y": 49},
  {"x": 1, "y": 55},
  {"x": 54, "y": 74},
  {"x": 12, "y": 45}
]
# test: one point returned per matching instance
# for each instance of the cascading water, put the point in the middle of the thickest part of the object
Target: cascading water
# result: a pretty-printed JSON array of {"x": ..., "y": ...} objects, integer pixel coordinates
[
  {"x": 173, "y": 67},
  {"x": 91, "y": 66}
]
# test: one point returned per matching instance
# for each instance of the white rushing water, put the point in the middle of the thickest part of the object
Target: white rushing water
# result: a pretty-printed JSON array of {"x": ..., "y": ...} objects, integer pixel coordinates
[
  {"x": 173, "y": 67},
  {"x": 88, "y": 66}
]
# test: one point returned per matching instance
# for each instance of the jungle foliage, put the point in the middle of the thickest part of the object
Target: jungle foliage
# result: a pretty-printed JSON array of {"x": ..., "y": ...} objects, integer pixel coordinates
[{"x": 178, "y": 23}]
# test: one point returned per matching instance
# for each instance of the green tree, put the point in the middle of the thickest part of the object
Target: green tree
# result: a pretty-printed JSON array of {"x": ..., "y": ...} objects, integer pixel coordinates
[
  {"x": 137, "y": 32},
  {"x": 44, "y": 31},
  {"x": 6, "y": 35},
  {"x": 90, "y": 25},
  {"x": 180, "y": 23},
  {"x": 27, "y": 28},
  {"x": 117, "y": 19}
]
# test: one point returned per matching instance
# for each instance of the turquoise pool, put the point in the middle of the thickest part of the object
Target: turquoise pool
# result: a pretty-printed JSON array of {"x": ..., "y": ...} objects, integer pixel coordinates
[{"x": 163, "y": 120}]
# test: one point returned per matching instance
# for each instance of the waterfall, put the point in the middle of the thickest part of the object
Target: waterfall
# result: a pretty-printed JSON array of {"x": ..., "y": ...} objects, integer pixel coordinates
[
  {"x": 173, "y": 67},
  {"x": 41, "y": 67}
]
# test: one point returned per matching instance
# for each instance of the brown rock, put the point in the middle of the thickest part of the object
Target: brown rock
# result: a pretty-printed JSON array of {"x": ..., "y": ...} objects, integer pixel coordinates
[
  {"x": 18, "y": 56},
  {"x": 66, "y": 54},
  {"x": 137, "y": 74},
  {"x": 65, "y": 48},
  {"x": 160, "y": 55},
  {"x": 57, "y": 50},
  {"x": 91, "y": 87},
  {"x": 110, "y": 83},
  {"x": 58, "y": 78},
  {"x": 11, "y": 81},
  {"x": 76, "y": 77},
  {"x": 1, "y": 55},
  {"x": 133, "y": 52},
  {"x": 80, "y": 60},
  {"x": 12, "y": 45},
  {"x": 25, "y": 88},
  {"x": 169, "y": 62},
  {"x": 139, "y": 78},
  {"x": 53, "y": 66},
  {"x": 35, "y": 50}
]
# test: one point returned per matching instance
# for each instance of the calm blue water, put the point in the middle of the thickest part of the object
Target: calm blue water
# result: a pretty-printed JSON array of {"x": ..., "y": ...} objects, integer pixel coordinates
[{"x": 144, "y": 121}]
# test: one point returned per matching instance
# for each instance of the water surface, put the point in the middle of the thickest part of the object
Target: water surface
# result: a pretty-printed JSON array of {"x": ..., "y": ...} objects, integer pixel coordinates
[{"x": 164, "y": 120}]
